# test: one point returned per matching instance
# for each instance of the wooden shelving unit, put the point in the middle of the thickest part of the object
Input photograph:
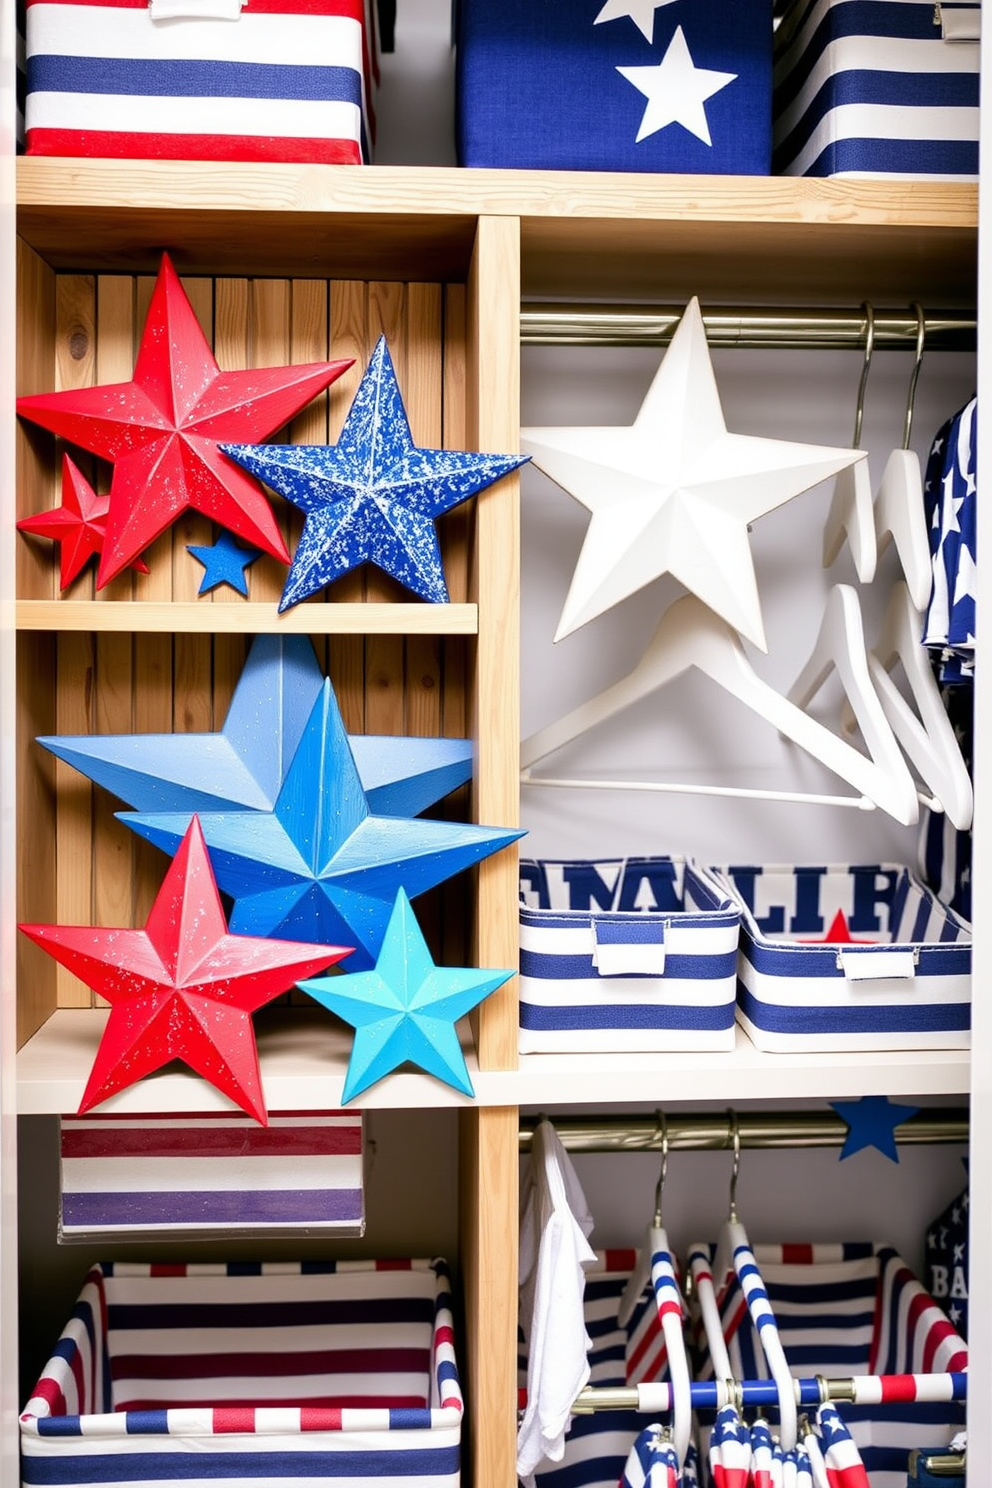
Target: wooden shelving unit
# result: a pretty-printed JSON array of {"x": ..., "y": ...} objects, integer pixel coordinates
[{"x": 298, "y": 263}]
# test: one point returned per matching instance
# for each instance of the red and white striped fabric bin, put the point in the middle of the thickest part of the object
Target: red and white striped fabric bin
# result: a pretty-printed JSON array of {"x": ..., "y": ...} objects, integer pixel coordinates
[
  {"x": 282, "y": 1374},
  {"x": 235, "y": 80},
  {"x": 137, "y": 1177}
]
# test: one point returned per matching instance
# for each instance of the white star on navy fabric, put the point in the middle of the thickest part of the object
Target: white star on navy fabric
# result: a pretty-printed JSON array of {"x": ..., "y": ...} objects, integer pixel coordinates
[
  {"x": 641, "y": 12},
  {"x": 676, "y": 91},
  {"x": 373, "y": 496},
  {"x": 320, "y": 858}
]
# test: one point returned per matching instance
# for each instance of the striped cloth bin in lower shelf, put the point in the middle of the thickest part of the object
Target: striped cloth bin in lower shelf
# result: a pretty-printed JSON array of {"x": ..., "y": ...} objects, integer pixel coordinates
[{"x": 288, "y": 1374}]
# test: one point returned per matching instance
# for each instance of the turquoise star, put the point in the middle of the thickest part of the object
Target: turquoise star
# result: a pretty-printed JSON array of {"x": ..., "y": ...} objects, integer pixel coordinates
[
  {"x": 871, "y": 1122},
  {"x": 373, "y": 496},
  {"x": 405, "y": 1009},
  {"x": 224, "y": 562},
  {"x": 320, "y": 858}
]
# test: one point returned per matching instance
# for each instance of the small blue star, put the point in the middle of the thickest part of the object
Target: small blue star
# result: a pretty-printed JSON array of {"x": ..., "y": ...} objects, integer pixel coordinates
[
  {"x": 871, "y": 1122},
  {"x": 224, "y": 562},
  {"x": 406, "y": 1008},
  {"x": 373, "y": 496}
]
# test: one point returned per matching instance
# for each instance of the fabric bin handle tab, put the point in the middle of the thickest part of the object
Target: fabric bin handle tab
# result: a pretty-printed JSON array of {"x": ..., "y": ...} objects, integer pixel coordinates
[
  {"x": 628, "y": 947},
  {"x": 876, "y": 966},
  {"x": 195, "y": 10}
]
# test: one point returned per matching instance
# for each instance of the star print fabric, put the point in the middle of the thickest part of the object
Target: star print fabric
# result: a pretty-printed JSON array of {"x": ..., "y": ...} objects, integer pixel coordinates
[
  {"x": 947, "y": 1261},
  {"x": 628, "y": 85},
  {"x": 951, "y": 501}
]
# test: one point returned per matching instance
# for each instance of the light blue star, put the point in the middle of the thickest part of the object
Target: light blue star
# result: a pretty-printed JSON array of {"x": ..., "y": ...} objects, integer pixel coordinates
[
  {"x": 243, "y": 767},
  {"x": 224, "y": 562},
  {"x": 373, "y": 496},
  {"x": 320, "y": 859},
  {"x": 405, "y": 1009},
  {"x": 871, "y": 1122}
]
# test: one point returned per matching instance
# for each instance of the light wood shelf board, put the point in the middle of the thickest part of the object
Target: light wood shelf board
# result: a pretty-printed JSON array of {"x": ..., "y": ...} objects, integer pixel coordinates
[{"x": 247, "y": 619}]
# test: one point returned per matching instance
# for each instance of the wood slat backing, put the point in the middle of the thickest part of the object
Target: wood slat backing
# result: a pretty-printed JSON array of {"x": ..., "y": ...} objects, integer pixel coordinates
[{"x": 84, "y": 867}]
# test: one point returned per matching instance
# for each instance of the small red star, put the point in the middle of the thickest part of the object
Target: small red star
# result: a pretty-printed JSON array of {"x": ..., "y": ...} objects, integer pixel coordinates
[
  {"x": 839, "y": 933},
  {"x": 162, "y": 429},
  {"x": 182, "y": 988},
  {"x": 79, "y": 524}
]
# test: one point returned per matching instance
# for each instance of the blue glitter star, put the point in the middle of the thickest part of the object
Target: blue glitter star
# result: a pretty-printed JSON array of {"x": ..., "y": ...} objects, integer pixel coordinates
[
  {"x": 871, "y": 1122},
  {"x": 224, "y": 562},
  {"x": 320, "y": 858},
  {"x": 405, "y": 1009},
  {"x": 243, "y": 767},
  {"x": 373, "y": 496}
]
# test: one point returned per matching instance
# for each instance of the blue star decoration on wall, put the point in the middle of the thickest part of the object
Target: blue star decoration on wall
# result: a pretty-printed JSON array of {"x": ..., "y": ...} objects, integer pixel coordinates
[
  {"x": 224, "y": 562},
  {"x": 871, "y": 1122},
  {"x": 404, "y": 1010},
  {"x": 243, "y": 767},
  {"x": 373, "y": 496},
  {"x": 320, "y": 858}
]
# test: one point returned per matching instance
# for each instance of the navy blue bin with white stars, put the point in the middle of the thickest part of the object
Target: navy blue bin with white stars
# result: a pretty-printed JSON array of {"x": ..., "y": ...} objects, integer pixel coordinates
[{"x": 616, "y": 85}]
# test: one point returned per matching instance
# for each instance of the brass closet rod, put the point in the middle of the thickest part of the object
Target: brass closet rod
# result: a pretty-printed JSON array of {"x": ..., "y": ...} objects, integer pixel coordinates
[
  {"x": 714, "y": 1130},
  {"x": 550, "y": 323}
]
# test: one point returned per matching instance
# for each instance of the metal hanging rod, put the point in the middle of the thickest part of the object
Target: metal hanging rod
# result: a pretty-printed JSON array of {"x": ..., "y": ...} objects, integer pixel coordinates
[
  {"x": 714, "y": 1130},
  {"x": 712, "y": 1395},
  {"x": 559, "y": 324}
]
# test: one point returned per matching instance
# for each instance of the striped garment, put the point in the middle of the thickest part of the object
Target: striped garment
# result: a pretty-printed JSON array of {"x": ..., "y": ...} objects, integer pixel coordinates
[
  {"x": 281, "y": 1374},
  {"x": 870, "y": 88},
  {"x": 852, "y": 1309},
  {"x": 134, "y": 1177},
  {"x": 950, "y": 495},
  {"x": 625, "y": 954},
  {"x": 288, "y": 80},
  {"x": 849, "y": 957}
]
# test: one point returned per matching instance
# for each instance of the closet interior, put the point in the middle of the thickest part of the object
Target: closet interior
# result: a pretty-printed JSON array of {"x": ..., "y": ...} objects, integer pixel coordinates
[{"x": 510, "y": 299}]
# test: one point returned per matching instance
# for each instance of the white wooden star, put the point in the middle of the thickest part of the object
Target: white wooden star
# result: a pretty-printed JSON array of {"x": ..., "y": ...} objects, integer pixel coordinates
[
  {"x": 676, "y": 91},
  {"x": 641, "y": 12},
  {"x": 674, "y": 492}
]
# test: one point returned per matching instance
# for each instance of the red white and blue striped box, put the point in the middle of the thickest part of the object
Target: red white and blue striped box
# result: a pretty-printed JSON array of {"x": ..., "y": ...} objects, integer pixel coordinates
[
  {"x": 287, "y": 1374},
  {"x": 854, "y": 1309},
  {"x": 137, "y": 1177},
  {"x": 849, "y": 957},
  {"x": 288, "y": 80},
  {"x": 874, "y": 88},
  {"x": 583, "y": 85},
  {"x": 625, "y": 954}
]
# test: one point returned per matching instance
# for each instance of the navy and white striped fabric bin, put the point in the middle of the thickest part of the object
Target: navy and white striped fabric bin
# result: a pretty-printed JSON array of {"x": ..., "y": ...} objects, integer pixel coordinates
[
  {"x": 626, "y": 954},
  {"x": 583, "y": 85},
  {"x": 288, "y": 80},
  {"x": 284, "y": 1374},
  {"x": 138, "y": 1177},
  {"x": 853, "y": 1309},
  {"x": 871, "y": 88},
  {"x": 861, "y": 957}
]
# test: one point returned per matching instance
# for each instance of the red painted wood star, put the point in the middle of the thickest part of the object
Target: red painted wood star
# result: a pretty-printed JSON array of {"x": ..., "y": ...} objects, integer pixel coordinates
[
  {"x": 181, "y": 988},
  {"x": 162, "y": 429},
  {"x": 79, "y": 525}
]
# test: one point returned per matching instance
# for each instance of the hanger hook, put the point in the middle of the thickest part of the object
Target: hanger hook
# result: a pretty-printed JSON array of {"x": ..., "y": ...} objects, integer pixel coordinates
[
  {"x": 921, "y": 335},
  {"x": 859, "y": 411},
  {"x": 663, "y": 1127},
  {"x": 735, "y": 1136}
]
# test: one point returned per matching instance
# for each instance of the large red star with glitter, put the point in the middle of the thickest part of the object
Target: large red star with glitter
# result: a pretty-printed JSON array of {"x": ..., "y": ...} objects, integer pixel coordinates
[
  {"x": 162, "y": 429},
  {"x": 182, "y": 988},
  {"x": 79, "y": 525}
]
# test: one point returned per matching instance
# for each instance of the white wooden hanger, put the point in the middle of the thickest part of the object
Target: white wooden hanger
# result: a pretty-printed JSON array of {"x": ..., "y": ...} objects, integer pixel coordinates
[
  {"x": 926, "y": 734},
  {"x": 691, "y": 635},
  {"x": 900, "y": 513},
  {"x": 851, "y": 514}
]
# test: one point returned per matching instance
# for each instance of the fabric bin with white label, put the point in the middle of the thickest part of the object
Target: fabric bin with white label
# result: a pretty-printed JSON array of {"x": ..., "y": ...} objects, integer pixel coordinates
[
  {"x": 876, "y": 88},
  {"x": 625, "y": 954},
  {"x": 208, "y": 1374},
  {"x": 849, "y": 957},
  {"x": 232, "y": 80}
]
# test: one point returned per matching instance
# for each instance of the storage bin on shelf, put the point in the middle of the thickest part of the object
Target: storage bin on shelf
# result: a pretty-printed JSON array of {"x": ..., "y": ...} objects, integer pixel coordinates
[
  {"x": 876, "y": 90},
  {"x": 836, "y": 957},
  {"x": 545, "y": 85},
  {"x": 215, "y": 80},
  {"x": 341, "y": 1372},
  {"x": 625, "y": 954}
]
